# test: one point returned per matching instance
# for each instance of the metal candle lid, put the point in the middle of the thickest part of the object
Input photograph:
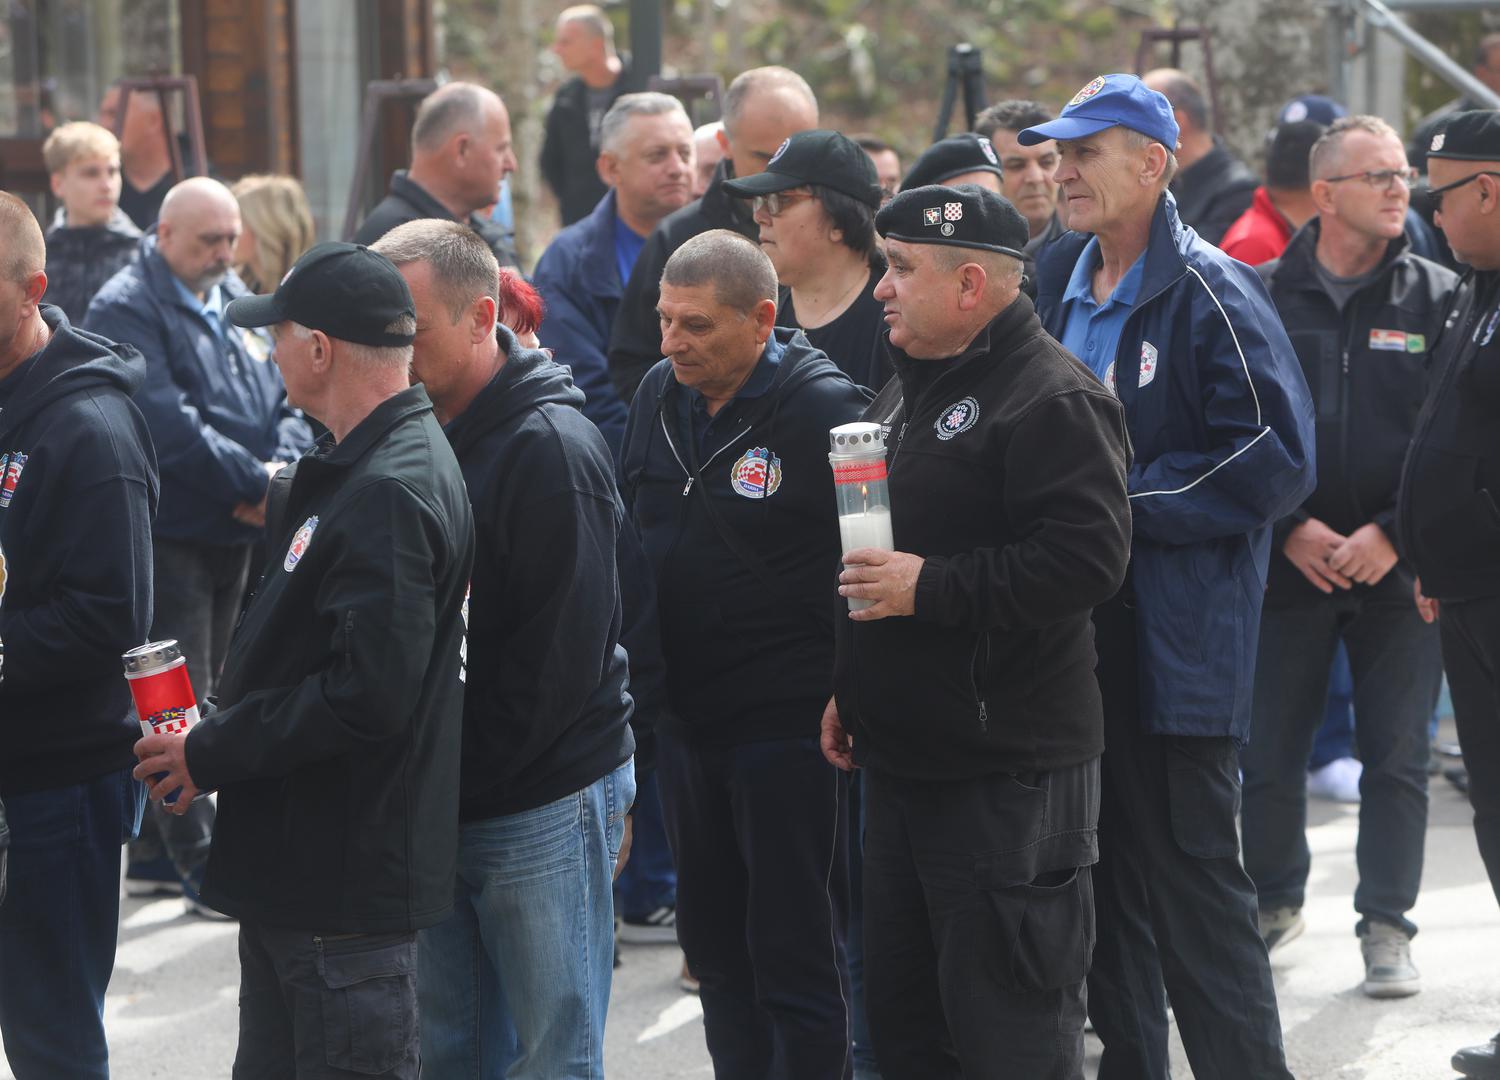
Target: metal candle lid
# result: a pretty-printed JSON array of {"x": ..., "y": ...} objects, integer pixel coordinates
[
  {"x": 862, "y": 437},
  {"x": 152, "y": 655}
]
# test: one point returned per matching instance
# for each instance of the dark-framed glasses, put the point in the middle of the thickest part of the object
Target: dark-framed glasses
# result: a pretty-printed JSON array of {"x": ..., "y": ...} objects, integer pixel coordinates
[
  {"x": 1380, "y": 179},
  {"x": 1435, "y": 195},
  {"x": 778, "y": 201}
]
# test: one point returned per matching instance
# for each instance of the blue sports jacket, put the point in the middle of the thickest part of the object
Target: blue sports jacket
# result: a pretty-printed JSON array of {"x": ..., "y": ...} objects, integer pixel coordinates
[
  {"x": 1222, "y": 427},
  {"x": 579, "y": 280},
  {"x": 216, "y": 408}
]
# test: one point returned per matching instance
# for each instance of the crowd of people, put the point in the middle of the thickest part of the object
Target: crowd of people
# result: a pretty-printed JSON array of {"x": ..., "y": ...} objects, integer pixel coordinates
[{"x": 522, "y": 626}]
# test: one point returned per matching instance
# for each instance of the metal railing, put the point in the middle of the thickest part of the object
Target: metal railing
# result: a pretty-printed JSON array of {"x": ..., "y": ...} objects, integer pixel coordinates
[{"x": 1383, "y": 16}]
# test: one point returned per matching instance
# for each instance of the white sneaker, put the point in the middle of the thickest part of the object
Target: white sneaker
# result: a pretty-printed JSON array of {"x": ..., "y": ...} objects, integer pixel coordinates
[
  {"x": 1338, "y": 781},
  {"x": 1389, "y": 971}
]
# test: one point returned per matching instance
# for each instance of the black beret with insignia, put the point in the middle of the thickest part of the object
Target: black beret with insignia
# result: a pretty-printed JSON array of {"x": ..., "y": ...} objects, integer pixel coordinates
[
  {"x": 965, "y": 216},
  {"x": 950, "y": 157},
  {"x": 1469, "y": 136}
]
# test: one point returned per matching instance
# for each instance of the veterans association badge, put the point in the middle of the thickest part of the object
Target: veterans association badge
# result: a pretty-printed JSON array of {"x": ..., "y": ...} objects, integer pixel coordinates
[
  {"x": 953, "y": 211},
  {"x": 932, "y": 215},
  {"x": 947, "y": 229},
  {"x": 988, "y": 149},
  {"x": 1437, "y": 142},
  {"x": 300, "y": 544},
  {"x": 1094, "y": 86},
  {"x": 11, "y": 465},
  {"x": 957, "y": 418},
  {"x": 1148, "y": 363},
  {"x": 757, "y": 474}
]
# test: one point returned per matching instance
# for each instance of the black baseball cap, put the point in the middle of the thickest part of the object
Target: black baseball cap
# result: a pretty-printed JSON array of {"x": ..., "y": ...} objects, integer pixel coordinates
[
  {"x": 814, "y": 157},
  {"x": 956, "y": 155},
  {"x": 1468, "y": 136},
  {"x": 965, "y": 216},
  {"x": 345, "y": 290}
]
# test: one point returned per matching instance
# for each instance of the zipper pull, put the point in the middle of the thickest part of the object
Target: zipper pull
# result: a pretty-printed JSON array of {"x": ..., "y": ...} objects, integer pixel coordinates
[
  {"x": 984, "y": 719},
  {"x": 689, "y": 485}
]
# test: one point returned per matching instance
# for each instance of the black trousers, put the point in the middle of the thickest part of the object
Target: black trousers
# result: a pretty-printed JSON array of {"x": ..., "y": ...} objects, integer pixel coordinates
[
  {"x": 327, "y": 1007},
  {"x": 1471, "y": 654},
  {"x": 760, "y": 834},
  {"x": 1176, "y": 911},
  {"x": 979, "y": 923}
]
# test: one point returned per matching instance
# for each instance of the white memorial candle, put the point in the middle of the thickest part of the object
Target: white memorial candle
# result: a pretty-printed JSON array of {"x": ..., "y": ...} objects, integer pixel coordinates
[{"x": 870, "y": 529}]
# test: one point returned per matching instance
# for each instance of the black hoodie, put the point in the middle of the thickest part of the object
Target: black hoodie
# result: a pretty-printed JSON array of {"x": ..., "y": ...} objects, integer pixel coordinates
[
  {"x": 78, "y": 493},
  {"x": 546, "y": 708},
  {"x": 744, "y": 662}
]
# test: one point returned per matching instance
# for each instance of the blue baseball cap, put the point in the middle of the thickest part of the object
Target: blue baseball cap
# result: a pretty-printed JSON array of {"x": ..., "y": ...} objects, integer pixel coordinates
[
  {"x": 1315, "y": 107},
  {"x": 1110, "y": 101}
]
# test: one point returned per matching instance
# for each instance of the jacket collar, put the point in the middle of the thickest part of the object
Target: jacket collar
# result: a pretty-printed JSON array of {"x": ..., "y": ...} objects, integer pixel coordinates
[
  {"x": 1296, "y": 269},
  {"x": 718, "y": 205},
  {"x": 998, "y": 335},
  {"x": 169, "y": 289},
  {"x": 600, "y": 250},
  {"x": 404, "y": 187},
  {"x": 392, "y": 411}
]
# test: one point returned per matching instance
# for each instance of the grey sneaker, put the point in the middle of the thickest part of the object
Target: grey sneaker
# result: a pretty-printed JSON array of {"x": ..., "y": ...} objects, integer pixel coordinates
[
  {"x": 1389, "y": 972},
  {"x": 1280, "y": 925}
]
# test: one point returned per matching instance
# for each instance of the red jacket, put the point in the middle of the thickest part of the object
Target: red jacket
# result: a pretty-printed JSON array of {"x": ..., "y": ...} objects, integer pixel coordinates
[{"x": 1260, "y": 234}]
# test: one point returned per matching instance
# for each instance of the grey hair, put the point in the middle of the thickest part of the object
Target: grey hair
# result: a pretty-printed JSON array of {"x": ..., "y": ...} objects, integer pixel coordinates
[
  {"x": 375, "y": 356},
  {"x": 452, "y": 108},
  {"x": 591, "y": 17},
  {"x": 757, "y": 80},
  {"x": 1139, "y": 141},
  {"x": 997, "y": 266},
  {"x": 648, "y": 103},
  {"x": 463, "y": 266},
  {"x": 1327, "y": 154},
  {"x": 739, "y": 271}
]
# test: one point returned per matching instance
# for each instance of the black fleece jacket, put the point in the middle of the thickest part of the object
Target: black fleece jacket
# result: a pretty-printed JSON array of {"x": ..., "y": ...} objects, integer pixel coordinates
[
  {"x": 546, "y": 710},
  {"x": 745, "y": 661},
  {"x": 1007, "y": 475},
  {"x": 76, "y": 503}
]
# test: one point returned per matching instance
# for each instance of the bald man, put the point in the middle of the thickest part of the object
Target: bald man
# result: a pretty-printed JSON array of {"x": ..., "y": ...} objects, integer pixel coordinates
[
  {"x": 78, "y": 491},
  {"x": 219, "y": 418},
  {"x": 763, "y": 108},
  {"x": 585, "y": 45},
  {"x": 145, "y": 157},
  {"x": 460, "y": 152}
]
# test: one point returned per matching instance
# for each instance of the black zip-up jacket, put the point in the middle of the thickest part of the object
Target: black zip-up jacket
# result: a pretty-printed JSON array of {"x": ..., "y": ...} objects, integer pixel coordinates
[
  {"x": 78, "y": 489},
  {"x": 1449, "y": 516},
  {"x": 745, "y": 661},
  {"x": 569, "y": 152},
  {"x": 1007, "y": 475},
  {"x": 410, "y": 201},
  {"x": 635, "y": 340},
  {"x": 1367, "y": 369},
  {"x": 1214, "y": 191},
  {"x": 546, "y": 709},
  {"x": 80, "y": 259},
  {"x": 335, "y": 748}
]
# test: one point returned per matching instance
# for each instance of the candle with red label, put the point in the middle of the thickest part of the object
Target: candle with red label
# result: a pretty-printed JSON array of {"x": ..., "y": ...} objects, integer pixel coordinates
[
  {"x": 158, "y": 678},
  {"x": 859, "y": 479}
]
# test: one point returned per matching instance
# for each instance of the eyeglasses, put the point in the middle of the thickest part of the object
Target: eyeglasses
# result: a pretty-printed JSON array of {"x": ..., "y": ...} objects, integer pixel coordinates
[
  {"x": 776, "y": 202},
  {"x": 1435, "y": 195},
  {"x": 1380, "y": 179}
]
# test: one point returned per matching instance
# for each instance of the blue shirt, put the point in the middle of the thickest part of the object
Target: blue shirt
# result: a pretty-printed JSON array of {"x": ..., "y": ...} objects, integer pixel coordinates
[
  {"x": 212, "y": 309},
  {"x": 704, "y": 426},
  {"x": 628, "y": 244},
  {"x": 1091, "y": 331}
]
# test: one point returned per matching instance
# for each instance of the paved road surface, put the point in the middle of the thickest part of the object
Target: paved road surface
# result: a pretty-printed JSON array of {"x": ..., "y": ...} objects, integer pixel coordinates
[{"x": 172, "y": 1013}]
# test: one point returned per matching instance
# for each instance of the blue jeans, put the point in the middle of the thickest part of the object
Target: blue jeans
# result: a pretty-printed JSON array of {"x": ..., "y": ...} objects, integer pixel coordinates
[
  {"x": 59, "y": 923},
  {"x": 516, "y": 982}
]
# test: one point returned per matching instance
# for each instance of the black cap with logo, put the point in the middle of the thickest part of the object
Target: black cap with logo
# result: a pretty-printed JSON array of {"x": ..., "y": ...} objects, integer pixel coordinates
[
  {"x": 956, "y": 155},
  {"x": 814, "y": 157},
  {"x": 965, "y": 216},
  {"x": 345, "y": 290},
  {"x": 1469, "y": 136}
]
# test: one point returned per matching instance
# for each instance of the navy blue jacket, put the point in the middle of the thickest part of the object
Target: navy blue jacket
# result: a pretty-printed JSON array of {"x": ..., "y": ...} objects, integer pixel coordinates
[
  {"x": 217, "y": 409},
  {"x": 1222, "y": 426},
  {"x": 76, "y": 502},
  {"x": 579, "y": 279},
  {"x": 745, "y": 662}
]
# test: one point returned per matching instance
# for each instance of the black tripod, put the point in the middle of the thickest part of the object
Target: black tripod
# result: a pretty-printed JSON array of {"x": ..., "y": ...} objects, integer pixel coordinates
[{"x": 965, "y": 71}]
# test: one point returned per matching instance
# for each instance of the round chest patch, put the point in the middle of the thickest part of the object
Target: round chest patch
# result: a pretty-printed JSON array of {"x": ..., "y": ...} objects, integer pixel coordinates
[
  {"x": 1094, "y": 86},
  {"x": 957, "y": 418},
  {"x": 757, "y": 474},
  {"x": 300, "y": 543}
]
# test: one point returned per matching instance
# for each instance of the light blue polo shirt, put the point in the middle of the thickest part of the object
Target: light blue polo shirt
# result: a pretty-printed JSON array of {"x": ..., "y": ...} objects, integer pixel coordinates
[
  {"x": 212, "y": 309},
  {"x": 1091, "y": 331}
]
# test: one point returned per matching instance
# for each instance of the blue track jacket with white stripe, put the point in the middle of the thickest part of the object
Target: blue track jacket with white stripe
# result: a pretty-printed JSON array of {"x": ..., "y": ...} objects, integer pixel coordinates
[{"x": 1222, "y": 428}]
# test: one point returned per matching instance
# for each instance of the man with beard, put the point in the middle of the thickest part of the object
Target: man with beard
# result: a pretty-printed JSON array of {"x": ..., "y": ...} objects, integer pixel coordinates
[{"x": 218, "y": 415}]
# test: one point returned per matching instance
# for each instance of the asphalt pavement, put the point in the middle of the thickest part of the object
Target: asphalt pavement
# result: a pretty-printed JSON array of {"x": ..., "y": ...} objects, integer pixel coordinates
[{"x": 172, "y": 1012}]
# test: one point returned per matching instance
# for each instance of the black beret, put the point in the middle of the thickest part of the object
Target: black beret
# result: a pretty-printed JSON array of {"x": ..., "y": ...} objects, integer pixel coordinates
[
  {"x": 950, "y": 157},
  {"x": 965, "y": 216},
  {"x": 1469, "y": 136}
]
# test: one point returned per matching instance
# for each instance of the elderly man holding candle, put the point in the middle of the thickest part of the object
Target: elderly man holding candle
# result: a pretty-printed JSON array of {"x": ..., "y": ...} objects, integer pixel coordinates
[
  {"x": 966, "y": 685},
  {"x": 725, "y": 467}
]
